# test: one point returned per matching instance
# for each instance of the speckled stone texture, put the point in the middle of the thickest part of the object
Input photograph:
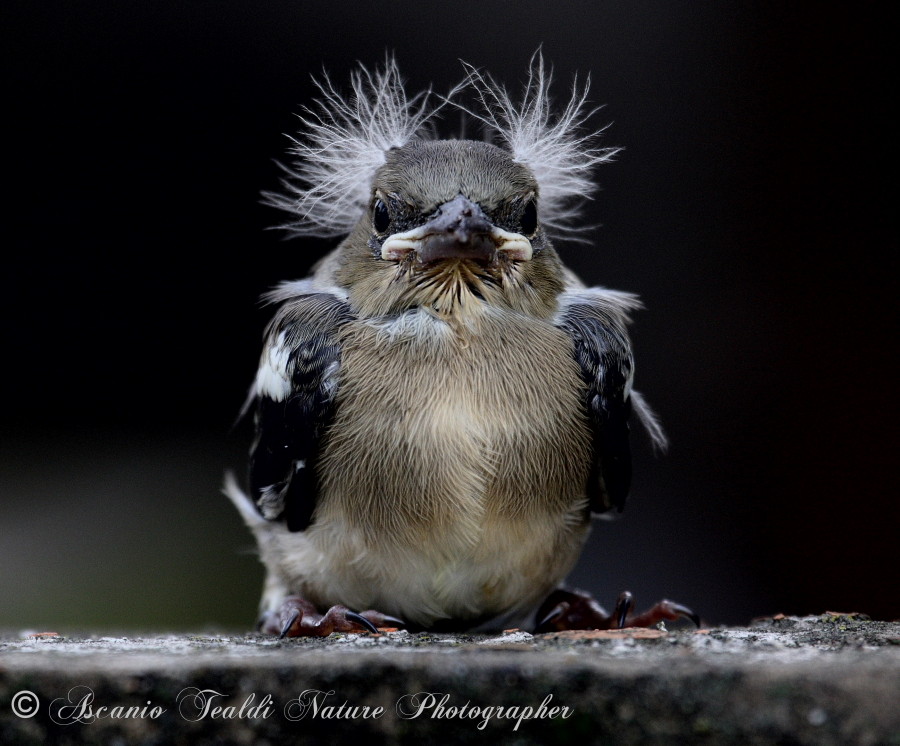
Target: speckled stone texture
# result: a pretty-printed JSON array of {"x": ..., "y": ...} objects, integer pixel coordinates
[{"x": 829, "y": 679}]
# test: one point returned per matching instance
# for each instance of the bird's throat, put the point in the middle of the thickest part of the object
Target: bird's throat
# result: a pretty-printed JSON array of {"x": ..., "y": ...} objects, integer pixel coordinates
[{"x": 454, "y": 288}]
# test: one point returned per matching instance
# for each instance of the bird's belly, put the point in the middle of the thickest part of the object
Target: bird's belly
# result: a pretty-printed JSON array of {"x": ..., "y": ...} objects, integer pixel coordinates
[
  {"x": 453, "y": 477},
  {"x": 497, "y": 584}
]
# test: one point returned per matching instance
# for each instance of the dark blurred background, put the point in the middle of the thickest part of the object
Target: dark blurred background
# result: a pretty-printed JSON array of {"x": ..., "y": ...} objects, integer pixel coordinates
[{"x": 750, "y": 210}]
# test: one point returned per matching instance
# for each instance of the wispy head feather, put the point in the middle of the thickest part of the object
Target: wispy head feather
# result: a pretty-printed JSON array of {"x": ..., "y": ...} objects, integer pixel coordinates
[
  {"x": 342, "y": 144},
  {"x": 557, "y": 149},
  {"x": 344, "y": 141}
]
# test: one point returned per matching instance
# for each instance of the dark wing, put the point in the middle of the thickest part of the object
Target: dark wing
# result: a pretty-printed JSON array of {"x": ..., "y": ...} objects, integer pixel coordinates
[
  {"x": 295, "y": 389},
  {"x": 603, "y": 352}
]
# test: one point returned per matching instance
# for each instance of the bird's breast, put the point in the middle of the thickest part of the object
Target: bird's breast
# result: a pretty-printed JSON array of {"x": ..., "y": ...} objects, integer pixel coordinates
[{"x": 462, "y": 454}]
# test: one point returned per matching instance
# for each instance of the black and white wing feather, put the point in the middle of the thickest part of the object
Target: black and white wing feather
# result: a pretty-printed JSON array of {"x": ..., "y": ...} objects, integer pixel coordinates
[
  {"x": 294, "y": 398},
  {"x": 596, "y": 320}
]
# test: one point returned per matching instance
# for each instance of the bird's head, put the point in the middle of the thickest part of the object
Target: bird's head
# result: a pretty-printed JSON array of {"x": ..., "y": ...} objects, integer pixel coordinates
[{"x": 452, "y": 227}]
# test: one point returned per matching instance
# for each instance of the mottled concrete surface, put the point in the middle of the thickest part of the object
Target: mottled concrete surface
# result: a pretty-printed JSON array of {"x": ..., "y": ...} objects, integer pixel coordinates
[{"x": 830, "y": 679}]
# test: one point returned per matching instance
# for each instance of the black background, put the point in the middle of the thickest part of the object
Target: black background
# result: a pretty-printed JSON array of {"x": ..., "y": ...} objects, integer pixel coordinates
[{"x": 750, "y": 210}]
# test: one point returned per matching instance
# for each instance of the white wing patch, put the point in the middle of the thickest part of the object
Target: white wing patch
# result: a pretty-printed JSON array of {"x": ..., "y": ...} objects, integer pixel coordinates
[{"x": 273, "y": 379}]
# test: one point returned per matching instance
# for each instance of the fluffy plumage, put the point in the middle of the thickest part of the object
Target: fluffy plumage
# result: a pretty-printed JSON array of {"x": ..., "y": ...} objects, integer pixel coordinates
[
  {"x": 557, "y": 149},
  {"x": 344, "y": 139},
  {"x": 442, "y": 405},
  {"x": 342, "y": 144}
]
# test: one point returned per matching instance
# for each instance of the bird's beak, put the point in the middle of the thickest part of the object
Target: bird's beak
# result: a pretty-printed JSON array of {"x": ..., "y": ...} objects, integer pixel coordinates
[{"x": 460, "y": 230}]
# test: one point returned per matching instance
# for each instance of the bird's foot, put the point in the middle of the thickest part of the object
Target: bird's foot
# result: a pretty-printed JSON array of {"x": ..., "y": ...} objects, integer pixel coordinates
[
  {"x": 297, "y": 617},
  {"x": 564, "y": 610}
]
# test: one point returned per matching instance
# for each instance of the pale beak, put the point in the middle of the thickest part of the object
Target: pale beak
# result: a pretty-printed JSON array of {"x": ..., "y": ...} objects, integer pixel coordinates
[{"x": 460, "y": 230}]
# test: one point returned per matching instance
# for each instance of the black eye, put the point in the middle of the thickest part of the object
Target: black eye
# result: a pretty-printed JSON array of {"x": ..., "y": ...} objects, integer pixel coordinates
[
  {"x": 381, "y": 218},
  {"x": 528, "y": 221}
]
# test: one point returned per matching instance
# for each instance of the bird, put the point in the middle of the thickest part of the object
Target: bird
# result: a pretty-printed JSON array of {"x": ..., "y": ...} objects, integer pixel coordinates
[{"x": 442, "y": 405}]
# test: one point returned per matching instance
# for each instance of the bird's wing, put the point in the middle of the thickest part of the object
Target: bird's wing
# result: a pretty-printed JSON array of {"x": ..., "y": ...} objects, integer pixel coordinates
[
  {"x": 595, "y": 319},
  {"x": 294, "y": 400}
]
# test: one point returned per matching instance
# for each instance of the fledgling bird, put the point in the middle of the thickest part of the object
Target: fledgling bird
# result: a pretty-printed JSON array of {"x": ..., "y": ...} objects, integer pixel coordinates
[{"x": 442, "y": 405}]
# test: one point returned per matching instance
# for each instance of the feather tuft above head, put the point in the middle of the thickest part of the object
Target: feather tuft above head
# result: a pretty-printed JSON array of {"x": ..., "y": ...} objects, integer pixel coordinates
[
  {"x": 558, "y": 150},
  {"x": 343, "y": 143}
]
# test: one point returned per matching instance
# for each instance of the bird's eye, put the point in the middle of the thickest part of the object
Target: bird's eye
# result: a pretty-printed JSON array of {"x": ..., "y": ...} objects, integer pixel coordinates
[
  {"x": 528, "y": 221},
  {"x": 381, "y": 218}
]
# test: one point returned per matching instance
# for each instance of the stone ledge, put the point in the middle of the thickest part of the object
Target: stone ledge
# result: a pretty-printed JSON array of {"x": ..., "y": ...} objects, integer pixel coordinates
[{"x": 833, "y": 679}]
